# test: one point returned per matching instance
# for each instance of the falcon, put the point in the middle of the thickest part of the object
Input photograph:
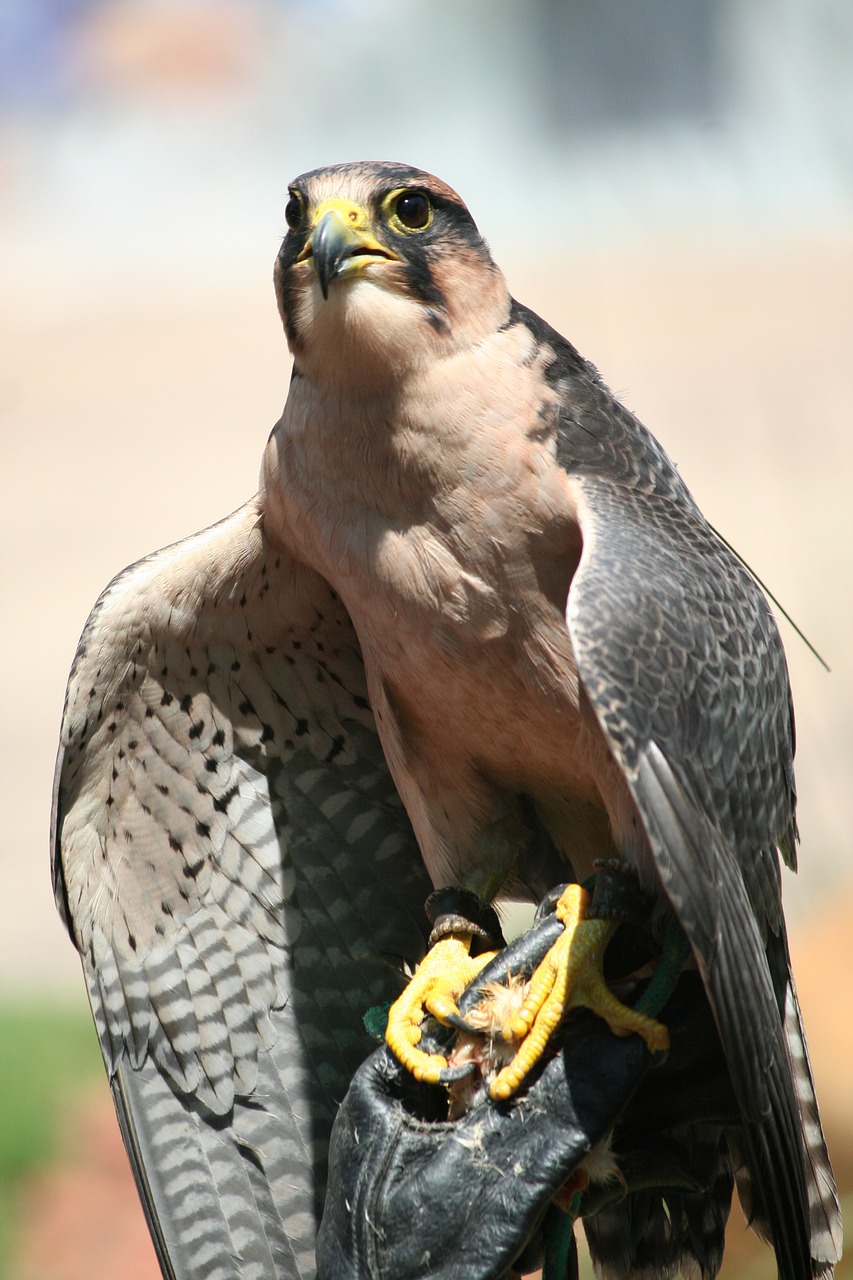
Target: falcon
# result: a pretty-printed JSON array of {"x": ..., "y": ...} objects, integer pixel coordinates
[{"x": 472, "y": 632}]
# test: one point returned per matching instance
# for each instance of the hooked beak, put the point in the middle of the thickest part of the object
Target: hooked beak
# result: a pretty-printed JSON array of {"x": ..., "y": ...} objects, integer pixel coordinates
[{"x": 337, "y": 248}]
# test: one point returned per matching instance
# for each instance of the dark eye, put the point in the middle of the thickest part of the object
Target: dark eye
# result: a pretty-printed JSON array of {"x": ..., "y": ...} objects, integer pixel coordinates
[
  {"x": 414, "y": 210},
  {"x": 293, "y": 212}
]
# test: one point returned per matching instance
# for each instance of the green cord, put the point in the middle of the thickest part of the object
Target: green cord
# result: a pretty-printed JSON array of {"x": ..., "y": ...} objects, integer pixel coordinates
[
  {"x": 561, "y": 1250},
  {"x": 667, "y": 971}
]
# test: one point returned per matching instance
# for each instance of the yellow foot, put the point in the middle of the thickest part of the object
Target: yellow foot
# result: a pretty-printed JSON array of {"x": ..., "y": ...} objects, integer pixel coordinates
[
  {"x": 439, "y": 980},
  {"x": 570, "y": 975}
]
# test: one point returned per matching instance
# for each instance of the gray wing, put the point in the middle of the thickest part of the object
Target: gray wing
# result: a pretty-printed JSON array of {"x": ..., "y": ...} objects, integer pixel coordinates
[
  {"x": 240, "y": 878},
  {"x": 682, "y": 665}
]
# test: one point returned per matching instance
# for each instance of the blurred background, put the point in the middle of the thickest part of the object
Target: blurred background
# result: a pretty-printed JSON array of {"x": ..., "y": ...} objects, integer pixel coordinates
[{"x": 669, "y": 182}]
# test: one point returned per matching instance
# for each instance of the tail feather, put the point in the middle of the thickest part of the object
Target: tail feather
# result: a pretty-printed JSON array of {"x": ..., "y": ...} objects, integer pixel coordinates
[
  {"x": 824, "y": 1209},
  {"x": 657, "y": 1235}
]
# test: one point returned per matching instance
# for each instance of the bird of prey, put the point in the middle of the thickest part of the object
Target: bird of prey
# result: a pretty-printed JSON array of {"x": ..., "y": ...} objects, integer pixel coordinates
[{"x": 473, "y": 631}]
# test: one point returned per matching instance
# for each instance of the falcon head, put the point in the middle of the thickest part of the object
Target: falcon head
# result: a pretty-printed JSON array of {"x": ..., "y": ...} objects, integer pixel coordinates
[{"x": 382, "y": 269}]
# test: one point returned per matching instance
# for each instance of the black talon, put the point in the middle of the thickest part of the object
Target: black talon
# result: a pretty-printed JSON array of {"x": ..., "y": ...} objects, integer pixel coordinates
[
  {"x": 458, "y": 1022},
  {"x": 450, "y": 1075},
  {"x": 456, "y": 910},
  {"x": 548, "y": 904}
]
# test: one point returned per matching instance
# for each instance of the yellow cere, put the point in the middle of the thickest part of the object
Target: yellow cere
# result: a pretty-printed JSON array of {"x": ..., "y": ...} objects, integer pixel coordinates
[{"x": 352, "y": 214}]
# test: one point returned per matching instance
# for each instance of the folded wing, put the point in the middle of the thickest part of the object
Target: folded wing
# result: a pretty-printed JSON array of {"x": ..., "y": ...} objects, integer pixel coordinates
[{"x": 683, "y": 668}]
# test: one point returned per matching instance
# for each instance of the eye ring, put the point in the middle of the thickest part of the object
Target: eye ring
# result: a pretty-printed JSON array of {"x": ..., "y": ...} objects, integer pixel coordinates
[
  {"x": 293, "y": 210},
  {"x": 413, "y": 210}
]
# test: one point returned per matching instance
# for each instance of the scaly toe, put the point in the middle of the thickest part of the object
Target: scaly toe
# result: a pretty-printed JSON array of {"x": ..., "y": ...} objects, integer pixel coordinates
[
  {"x": 438, "y": 981},
  {"x": 570, "y": 975}
]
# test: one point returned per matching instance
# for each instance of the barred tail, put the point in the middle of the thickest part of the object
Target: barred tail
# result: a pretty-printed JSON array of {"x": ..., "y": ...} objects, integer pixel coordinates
[{"x": 824, "y": 1211}]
